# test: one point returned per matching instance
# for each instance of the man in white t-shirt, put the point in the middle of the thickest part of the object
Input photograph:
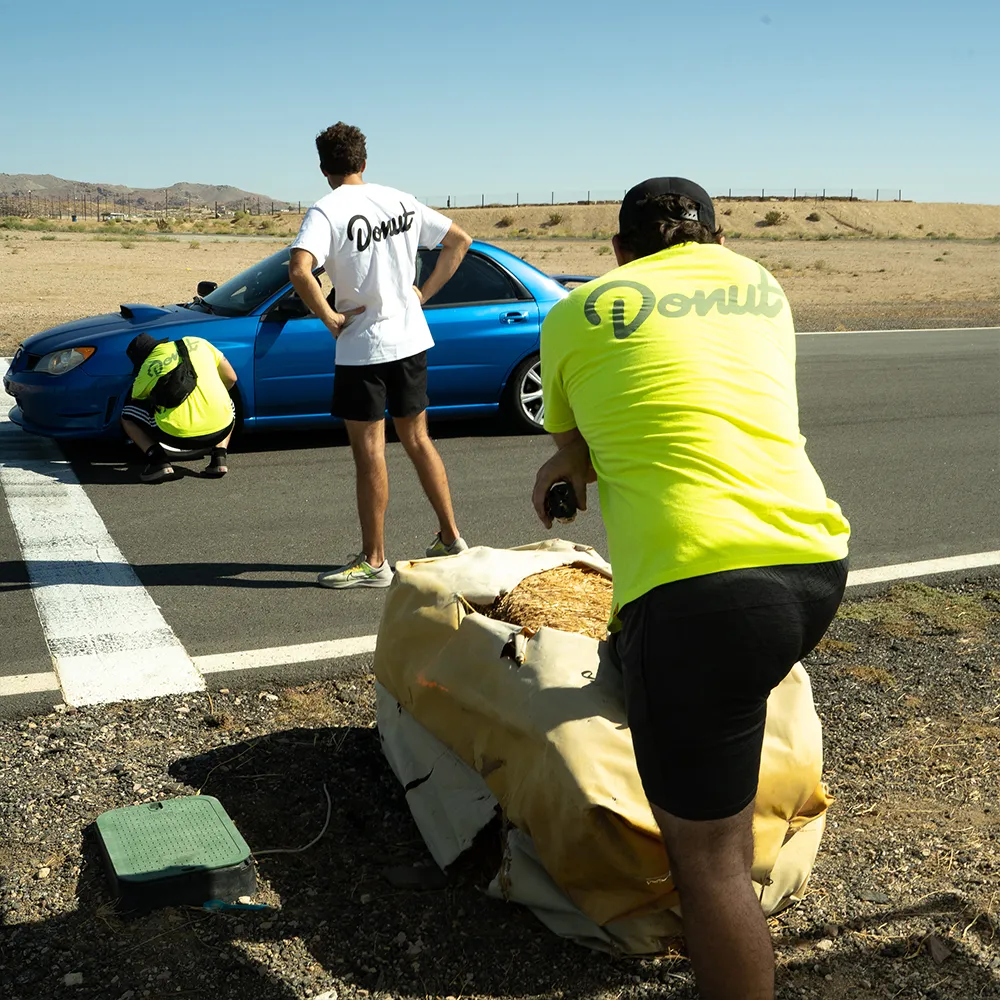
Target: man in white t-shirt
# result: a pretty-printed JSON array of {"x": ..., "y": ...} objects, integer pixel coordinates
[{"x": 366, "y": 236}]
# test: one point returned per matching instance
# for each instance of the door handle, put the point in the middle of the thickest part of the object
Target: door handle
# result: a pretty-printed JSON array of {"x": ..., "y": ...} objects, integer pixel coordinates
[{"x": 513, "y": 317}]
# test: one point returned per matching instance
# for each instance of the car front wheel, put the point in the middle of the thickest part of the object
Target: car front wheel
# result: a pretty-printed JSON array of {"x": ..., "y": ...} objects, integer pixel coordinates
[{"x": 524, "y": 404}]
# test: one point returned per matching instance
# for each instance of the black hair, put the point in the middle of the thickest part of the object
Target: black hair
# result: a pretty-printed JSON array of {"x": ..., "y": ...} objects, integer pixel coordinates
[
  {"x": 342, "y": 150},
  {"x": 663, "y": 225}
]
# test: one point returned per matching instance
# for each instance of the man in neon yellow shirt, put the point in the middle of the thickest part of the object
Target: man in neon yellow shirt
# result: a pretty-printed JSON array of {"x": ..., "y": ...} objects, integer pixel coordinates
[
  {"x": 180, "y": 398},
  {"x": 671, "y": 382}
]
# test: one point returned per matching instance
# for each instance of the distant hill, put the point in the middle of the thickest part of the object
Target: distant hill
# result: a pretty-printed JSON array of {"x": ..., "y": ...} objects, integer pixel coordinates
[{"x": 178, "y": 196}]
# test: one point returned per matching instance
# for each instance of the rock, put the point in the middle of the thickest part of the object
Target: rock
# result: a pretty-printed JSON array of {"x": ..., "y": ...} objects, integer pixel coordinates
[
  {"x": 365, "y": 897},
  {"x": 73, "y": 979},
  {"x": 937, "y": 949},
  {"x": 870, "y": 896},
  {"x": 244, "y": 899},
  {"x": 825, "y": 944},
  {"x": 328, "y": 995},
  {"x": 183, "y": 710},
  {"x": 43, "y": 873}
]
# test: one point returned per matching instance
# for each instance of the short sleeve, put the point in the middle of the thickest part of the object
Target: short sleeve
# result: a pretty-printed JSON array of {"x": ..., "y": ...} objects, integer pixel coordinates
[
  {"x": 432, "y": 226},
  {"x": 315, "y": 235},
  {"x": 217, "y": 355},
  {"x": 558, "y": 412}
]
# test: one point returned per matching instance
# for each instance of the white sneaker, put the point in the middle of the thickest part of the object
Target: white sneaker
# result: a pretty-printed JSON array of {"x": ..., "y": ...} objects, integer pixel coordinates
[
  {"x": 438, "y": 548},
  {"x": 357, "y": 572}
]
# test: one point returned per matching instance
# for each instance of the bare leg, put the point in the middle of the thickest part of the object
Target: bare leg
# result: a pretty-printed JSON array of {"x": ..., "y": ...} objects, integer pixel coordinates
[
  {"x": 368, "y": 445},
  {"x": 726, "y": 931},
  {"x": 135, "y": 431},
  {"x": 420, "y": 448}
]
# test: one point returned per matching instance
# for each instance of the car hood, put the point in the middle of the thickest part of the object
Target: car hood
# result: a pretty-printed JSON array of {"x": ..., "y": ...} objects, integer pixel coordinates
[{"x": 111, "y": 333}]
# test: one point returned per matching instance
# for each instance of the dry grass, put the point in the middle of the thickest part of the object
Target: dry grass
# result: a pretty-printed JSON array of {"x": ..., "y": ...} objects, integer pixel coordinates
[
  {"x": 912, "y": 608},
  {"x": 571, "y": 598}
]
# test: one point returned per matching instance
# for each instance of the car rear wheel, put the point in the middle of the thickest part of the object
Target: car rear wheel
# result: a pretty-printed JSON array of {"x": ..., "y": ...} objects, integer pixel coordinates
[{"x": 524, "y": 404}]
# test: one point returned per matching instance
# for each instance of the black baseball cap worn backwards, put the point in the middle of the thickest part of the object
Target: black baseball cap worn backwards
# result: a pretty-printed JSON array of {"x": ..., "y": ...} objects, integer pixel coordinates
[{"x": 633, "y": 212}]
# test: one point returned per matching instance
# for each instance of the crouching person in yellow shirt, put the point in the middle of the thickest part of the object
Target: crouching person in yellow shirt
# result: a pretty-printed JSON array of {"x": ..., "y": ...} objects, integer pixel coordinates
[
  {"x": 671, "y": 382},
  {"x": 180, "y": 398}
]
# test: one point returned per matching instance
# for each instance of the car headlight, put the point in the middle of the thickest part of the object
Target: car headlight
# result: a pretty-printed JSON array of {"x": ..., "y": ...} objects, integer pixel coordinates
[{"x": 60, "y": 362}]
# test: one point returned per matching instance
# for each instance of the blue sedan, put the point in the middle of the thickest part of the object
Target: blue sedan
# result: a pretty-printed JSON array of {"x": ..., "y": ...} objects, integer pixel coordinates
[{"x": 72, "y": 381}]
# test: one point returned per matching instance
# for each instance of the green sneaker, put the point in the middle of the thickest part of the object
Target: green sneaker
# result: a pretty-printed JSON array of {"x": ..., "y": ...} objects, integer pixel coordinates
[
  {"x": 438, "y": 548},
  {"x": 357, "y": 572}
]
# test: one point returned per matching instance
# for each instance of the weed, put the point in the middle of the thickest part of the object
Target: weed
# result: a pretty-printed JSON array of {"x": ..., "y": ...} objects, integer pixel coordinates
[
  {"x": 48, "y": 237},
  {"x": 931, "y": 236},
  {"x": 873, "y": 675},
  {"x": 895, "y": 236},
  {"x": 820, "y": 264},
  {"x": 939, "y": 258},
  {"x": 736, "y": 235},
  {"x": 554, "y": 219},
  {"x": 602, "y": 250},
  {"x": 728, "y": 211},
  {"x": 920, "y": 225},
  {"x": 774, "y": 218},
  {"x": 194, "y": 244},
  {"x": 945, "y": 252},
  {"x": 952, "y": 236},
  {"x": 825, "y": 236},
  {"x": 812, "y": 217},
  {"x": 912, "y": 608},
  {"x": 163, "y": 225},
  {"x": 166, "y": 239},
  {"x": 126, "y": 244}
]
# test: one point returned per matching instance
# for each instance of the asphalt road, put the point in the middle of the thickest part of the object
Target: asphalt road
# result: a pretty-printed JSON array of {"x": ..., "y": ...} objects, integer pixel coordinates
[{"x": 904, "y": 428}]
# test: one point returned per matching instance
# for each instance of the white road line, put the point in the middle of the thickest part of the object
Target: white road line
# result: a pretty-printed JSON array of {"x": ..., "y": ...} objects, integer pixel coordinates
[
  {"x": 28, "y": 683},
  {"x": 941, "y": 329},
  {"x": 277, "y": 656},
  {"x": 107, "y": 639},
  {"x": 927, "y": 567}
]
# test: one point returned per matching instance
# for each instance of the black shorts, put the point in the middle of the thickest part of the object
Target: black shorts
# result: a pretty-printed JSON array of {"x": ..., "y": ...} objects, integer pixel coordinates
[
  {"x": 142, "y": 412},
  {"x": 699, "y": 658},
  {"x": 364, "y": 392}
]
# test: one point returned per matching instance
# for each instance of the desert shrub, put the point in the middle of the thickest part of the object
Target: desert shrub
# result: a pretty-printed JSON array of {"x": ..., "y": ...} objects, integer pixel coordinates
[
  {"x": 504, "y": 221},
  {"x": 939, "y": 258},
  {"x": 194, "y": 244},
  {"x": 11, "y": 222},
  {"x": 920, "y": 226},
  {"x": 49, "y": 237},
  {"x": 554, "y": 218},
  {"x": 820, "y": 264},
  {"x": 736, "y": 235},
  {"x": 604, "y": 249},
  {"x": 812, "y": 217},
  {"x": 163, "y": 225},
  {"x": 952, "y": 236},
  {"x": 774, "y": 218},
  {"x": 825, "y": 236},
  {"x": 728, "y": 211},
  {"x": 126, "y": 244},
  {"x": 931, "y": 236}
]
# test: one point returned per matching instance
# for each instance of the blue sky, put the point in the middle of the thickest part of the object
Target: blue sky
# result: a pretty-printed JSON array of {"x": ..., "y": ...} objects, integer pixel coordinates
[{"x": 526, "y": 97}]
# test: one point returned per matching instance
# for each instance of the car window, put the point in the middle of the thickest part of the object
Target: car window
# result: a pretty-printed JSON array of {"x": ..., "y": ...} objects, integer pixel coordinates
[
  {"x": 291, "y": 306},
  {"x": 249, "y": 289},
  {"x": 476, "y": 280}
]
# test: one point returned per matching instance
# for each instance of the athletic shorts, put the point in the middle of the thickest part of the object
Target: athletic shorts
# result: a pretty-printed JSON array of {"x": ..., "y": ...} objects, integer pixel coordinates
[
  {"x": 699, "y": 658},
  {"x": 365, "y": 392},
  {"x": 141, "y": 412}
]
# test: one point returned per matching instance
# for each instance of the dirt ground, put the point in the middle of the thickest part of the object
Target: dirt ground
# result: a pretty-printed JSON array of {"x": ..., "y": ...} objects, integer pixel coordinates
[
  {"x": 903, "y": 902},
  {"x": 47, "y": 278}
]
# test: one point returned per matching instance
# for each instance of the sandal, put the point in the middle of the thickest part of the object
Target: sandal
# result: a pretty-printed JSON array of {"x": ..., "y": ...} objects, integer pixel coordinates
[{"x": 217, "y": 466}]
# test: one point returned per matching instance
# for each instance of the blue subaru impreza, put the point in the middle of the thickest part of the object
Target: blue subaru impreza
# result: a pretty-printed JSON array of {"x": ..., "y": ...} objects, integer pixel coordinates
[{"x": 71, "y": 381}]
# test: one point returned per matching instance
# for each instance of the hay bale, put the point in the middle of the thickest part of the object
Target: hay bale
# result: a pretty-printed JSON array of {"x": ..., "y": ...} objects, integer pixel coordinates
[{"x": 570, "y": 598}]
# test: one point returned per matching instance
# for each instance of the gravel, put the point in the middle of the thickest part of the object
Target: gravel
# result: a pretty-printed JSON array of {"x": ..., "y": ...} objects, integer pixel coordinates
[{"x": 903, "y": 901}]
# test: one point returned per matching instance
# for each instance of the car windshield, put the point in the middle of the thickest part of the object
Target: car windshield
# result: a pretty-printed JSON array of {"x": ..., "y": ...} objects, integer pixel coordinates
[{"x": 242, "y": 294}]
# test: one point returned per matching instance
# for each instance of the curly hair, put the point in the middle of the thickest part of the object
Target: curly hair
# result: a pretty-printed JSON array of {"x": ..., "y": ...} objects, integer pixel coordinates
[
  {"x": 663, "y": 226},
  {"x": 341, "y": 150}
]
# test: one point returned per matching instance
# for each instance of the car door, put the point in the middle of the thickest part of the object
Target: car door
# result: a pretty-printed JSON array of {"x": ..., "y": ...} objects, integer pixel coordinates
[
  {"x": 483, "y": 321},
  {"x": 294, "y": 358}
]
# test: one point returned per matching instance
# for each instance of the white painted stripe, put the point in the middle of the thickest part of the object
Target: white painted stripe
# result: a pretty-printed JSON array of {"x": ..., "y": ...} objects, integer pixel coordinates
[
  {"x": 106, "y": 637},
  {"x": 927, "y": 567},
  {"x": 28, "y": 683},
  {"x": 277, "y": 656},
  {"x": 941, "y": 329}
]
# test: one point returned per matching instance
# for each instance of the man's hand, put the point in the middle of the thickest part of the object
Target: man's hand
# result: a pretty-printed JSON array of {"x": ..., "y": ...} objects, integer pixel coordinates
[
  {"x": 570, "y": 464},
  {"x": 300, "y": 270},
  {"x": 420, "y": 295},
  {"x": 336, "y": 321}
]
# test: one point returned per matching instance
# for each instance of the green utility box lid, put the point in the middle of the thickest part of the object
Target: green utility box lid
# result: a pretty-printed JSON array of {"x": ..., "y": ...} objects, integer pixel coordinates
[
  {"x": 174, "y": 852},
  {"x": 159, "y": 839}
]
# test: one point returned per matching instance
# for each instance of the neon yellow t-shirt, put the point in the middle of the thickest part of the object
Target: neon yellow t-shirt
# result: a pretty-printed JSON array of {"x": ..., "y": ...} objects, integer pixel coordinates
[
  {"x": 207, "y": 409},
  {"x": 679, "y": 371}
]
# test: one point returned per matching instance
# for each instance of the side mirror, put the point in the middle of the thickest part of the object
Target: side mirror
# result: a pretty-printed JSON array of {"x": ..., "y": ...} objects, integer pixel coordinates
[{"x": 205, "y": 287}]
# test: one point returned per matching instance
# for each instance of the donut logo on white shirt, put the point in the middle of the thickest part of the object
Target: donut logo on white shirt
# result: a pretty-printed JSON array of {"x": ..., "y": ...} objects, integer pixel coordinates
[{"x": 366, "y": 232}]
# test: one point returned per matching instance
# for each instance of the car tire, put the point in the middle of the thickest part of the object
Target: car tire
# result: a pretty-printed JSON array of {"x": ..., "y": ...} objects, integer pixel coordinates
[{"x": 523, "y": 402}]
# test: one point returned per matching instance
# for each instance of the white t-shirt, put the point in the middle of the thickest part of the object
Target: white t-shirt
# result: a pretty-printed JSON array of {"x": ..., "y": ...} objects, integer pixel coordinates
[{"x": 367, "y": 236}]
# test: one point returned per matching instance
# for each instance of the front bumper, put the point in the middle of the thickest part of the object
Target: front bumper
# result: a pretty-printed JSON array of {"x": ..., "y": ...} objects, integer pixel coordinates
[{"x": 83, "y": 406}]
